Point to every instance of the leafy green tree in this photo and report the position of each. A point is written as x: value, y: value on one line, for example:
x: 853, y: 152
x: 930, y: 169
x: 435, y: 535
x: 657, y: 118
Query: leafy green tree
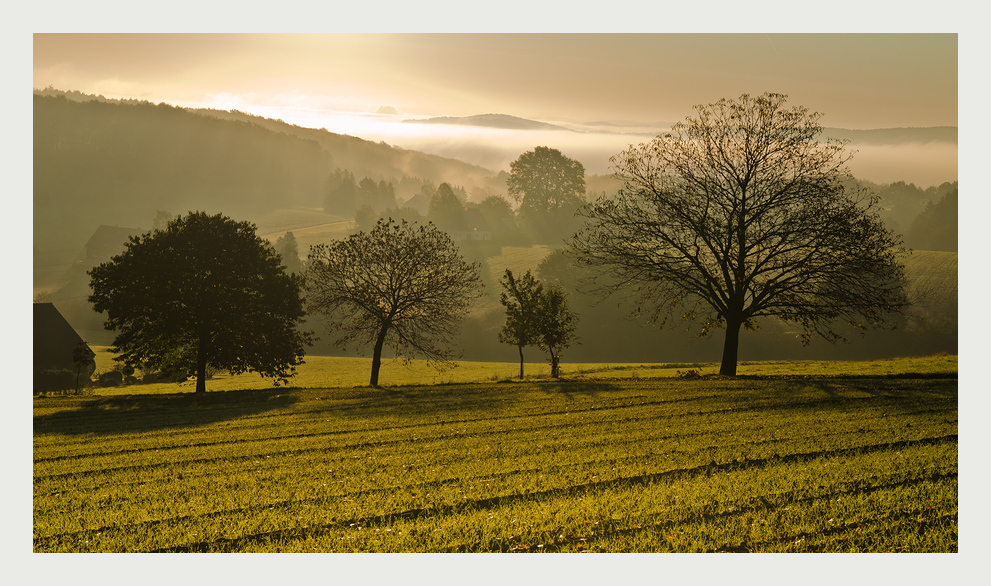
x: 288, y: 250
x: 742, y: 213
x: 82, y: 358
x: 549, y: 188
x: 380, y: 196
x: 340, y: 193
x: 364, y: 217
x: 556, y: 327
x: 206, y: 290
x: 521, y: 298
x: 936, y: 227
x: 162, y: 219
x: 446, y: 211
x: 399, y: 285
x: 499, y: 218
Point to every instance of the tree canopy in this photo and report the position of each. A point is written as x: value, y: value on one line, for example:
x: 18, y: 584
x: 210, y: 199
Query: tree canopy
x: 400, y: 285
x: 445, y: 210
x: 535, y: 317
x: 288, y: 249
x: 557, y: 326
x: 205, y: 290
x: 741, y: 213
x: 521, y: 298
x: 548, y: 186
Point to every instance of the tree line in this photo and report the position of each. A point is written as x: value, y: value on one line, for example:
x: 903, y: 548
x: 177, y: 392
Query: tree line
x: 737, y: 214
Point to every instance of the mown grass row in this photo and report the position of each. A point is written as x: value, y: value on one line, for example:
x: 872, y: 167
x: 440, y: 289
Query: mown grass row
x: 854, y: 464
x: 321, y: 372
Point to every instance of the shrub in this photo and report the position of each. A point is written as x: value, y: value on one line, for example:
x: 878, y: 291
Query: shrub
x: 111, y: 379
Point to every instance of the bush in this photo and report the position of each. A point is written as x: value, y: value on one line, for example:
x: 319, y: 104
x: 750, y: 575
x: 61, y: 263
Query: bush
x: 54, y: 380
x: 113, y: 378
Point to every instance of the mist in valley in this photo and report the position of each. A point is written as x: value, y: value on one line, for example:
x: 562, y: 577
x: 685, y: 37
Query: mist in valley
x: 913, y: 155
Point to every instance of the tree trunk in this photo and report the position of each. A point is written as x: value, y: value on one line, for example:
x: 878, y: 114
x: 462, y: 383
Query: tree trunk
x: 521, y: 361
x: 201, y: 365
x: 377, y: 356
x: 555, y: 362
x: 731, y: 347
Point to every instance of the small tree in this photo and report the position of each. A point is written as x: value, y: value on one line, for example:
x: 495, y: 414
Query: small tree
x: 521, y: 298
x: 557, y: 326
x: 446, y: 211
x: 399, y: 285
x: 743, y: 213
x: 205, y: 290
x: 83, y: 359
x: 288, y: 250
x: 340, y: 193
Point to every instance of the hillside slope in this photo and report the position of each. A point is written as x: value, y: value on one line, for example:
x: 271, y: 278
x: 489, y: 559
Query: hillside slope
x: 101, y: 161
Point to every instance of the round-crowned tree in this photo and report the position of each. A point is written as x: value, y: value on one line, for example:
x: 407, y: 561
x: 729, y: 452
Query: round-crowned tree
x: 401, y: 285
x: 205, y: 290
x: 549, y: 188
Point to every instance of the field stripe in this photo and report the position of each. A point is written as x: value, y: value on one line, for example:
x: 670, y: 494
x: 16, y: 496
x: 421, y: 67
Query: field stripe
x: 235, y: 544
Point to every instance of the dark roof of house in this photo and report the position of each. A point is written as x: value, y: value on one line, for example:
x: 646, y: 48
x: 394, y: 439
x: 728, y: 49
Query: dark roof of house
x: 54, y: 339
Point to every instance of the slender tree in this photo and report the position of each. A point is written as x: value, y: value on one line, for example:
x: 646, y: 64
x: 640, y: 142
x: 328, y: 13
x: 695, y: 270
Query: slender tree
x: 288, y: 250
x: 557, y: 326
x: 205, y: 290
x: 522, y: 299
x: 741, y: 213
x: 400, y: 285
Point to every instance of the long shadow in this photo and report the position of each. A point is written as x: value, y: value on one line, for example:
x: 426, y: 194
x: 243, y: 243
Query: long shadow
x: 792, y: 393
x: 480, y: 397
x: 143, y: 413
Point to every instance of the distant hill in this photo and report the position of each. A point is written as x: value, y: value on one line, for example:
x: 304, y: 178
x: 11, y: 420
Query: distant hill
x: 366, y: 158
x: 895, y: 135
x: 503, y: 121
x: 101, y: 161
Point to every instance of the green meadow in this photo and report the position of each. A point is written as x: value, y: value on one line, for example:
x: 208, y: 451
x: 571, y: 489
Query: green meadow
x: 788, y: 457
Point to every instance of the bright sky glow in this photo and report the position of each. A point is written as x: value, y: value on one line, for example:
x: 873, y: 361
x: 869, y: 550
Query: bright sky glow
x: 339, y: 82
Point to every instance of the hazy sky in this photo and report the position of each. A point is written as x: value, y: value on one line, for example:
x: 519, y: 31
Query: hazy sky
x: 856, y: 80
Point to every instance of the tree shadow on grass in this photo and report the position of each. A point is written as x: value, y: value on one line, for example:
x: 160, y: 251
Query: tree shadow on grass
x: 462, y: 399
x: 576, y: 388
x: 144, y: 413
x: 820, y: 393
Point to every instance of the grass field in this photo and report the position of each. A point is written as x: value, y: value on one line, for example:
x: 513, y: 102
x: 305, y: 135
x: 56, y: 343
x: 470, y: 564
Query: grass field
x: 831, y: 457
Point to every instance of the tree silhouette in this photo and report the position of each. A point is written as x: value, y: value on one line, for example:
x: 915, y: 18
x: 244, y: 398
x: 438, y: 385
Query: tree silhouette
x: 521, y: 298
x: 446, y: 211
x: 556, y: 327
x: 288, y: 249
x: 741, y: 213
x: 399, y: 285
x: 548, y: 187
x: 535, y: 317
x: 206, y: 290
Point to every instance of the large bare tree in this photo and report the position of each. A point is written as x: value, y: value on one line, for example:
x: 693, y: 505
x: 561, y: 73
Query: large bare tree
x: 401, y: 285
x: 741, y: 213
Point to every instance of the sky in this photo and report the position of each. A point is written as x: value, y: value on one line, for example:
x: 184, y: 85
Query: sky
x: 857, y: 80
x: 640, y: 82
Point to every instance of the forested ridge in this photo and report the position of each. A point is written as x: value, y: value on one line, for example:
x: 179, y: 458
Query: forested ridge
x: 100, y: 161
